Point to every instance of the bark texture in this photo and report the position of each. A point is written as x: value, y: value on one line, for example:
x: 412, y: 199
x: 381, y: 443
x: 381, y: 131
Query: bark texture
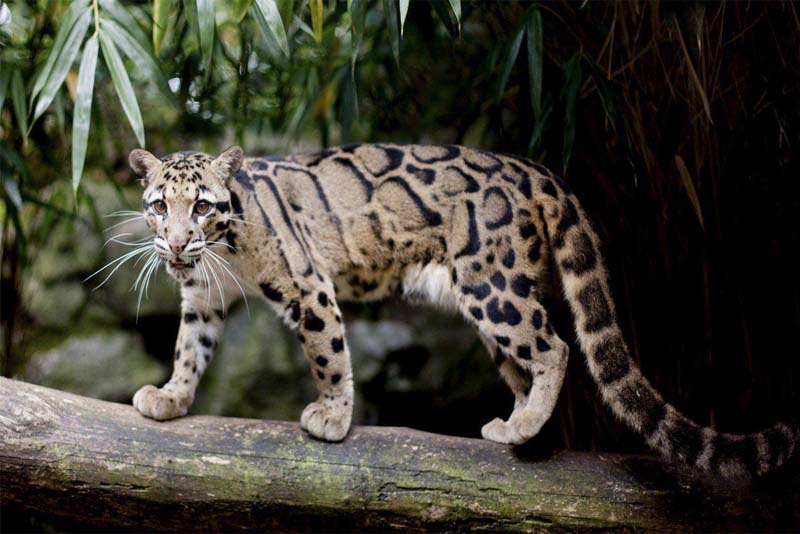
x: 94, y: 463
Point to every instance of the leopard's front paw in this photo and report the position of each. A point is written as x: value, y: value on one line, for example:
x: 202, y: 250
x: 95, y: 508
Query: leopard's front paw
x: 160, y: 404
x: 325, y: 421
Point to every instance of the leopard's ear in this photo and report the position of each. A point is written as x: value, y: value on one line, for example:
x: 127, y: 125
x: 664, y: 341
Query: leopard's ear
x: 228, y: 163
x: 143, y: 164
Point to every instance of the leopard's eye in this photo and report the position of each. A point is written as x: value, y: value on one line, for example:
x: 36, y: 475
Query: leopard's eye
x: 160, y: 206
x: 202, y: 207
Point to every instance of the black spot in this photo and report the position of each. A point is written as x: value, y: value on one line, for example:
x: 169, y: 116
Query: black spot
x: 322, y: 361
x: 451, y: 152
x: 509, y: 258
x: 506, y: 313
x: 542, y: 345
x: 490, y: 258
x: 426, y: 176
x: 521, y: 285
x: 583, y: 256
x: 295, y: 307
x: 189, y: 317
x: 206, y: 341
x: 498, y: 280
x: 525, y: 186
x: 503, y: 340
x: 595, y: 307
x: 643, y: 403
x: 778, y: 446
x: 535, y: 251
x: 737, y: 450
x: 524, y: 352
x: 472, y: 185
x: 549, y: 189
x: 335, y: 378
x: 611, y: 357
x: 236, y: 203
x: 313, y: 322
x: 499, y: 357
x: 223, y: 207
x: 476, y: 266
x: 537, y: 319
x: 432, y: 217
x: 321, y: 375
x: 506, y: 216
x: 686, y: 439
x: 271, y: 293
x: 474, y: 243
x: 569, y: 218
x: 337, y: 344
x: 178, y: 354
x: 480, y: 292
x: 322, y: 298
x: 476, y: 312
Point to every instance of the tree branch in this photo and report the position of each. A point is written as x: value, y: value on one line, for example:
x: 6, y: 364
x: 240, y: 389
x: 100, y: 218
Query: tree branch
x: 96, y: 463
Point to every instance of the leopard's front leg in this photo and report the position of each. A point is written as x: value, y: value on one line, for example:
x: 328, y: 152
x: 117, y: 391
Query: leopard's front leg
x: 197, y: 337
x: 321, y: 331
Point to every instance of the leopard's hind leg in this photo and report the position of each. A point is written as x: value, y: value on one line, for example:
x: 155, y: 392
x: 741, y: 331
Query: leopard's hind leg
x: 532, y: 360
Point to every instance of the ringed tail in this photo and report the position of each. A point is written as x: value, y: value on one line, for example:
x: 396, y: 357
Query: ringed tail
x: 576, y: 254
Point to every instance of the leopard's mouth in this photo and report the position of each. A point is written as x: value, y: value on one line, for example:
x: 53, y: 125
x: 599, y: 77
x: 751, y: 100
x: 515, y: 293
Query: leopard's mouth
x: 180, y: 265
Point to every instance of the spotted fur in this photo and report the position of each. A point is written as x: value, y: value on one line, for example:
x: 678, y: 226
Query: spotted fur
x: 471, y: 231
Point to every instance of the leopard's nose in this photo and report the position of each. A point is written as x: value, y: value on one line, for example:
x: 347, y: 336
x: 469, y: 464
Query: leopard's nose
x: 177, y: 246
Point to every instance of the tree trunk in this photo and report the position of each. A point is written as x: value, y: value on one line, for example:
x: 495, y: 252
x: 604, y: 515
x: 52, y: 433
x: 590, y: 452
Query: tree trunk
x: 87, y: 462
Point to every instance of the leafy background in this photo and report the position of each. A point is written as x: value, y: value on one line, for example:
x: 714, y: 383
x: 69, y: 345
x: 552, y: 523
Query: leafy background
x: 676, y: 123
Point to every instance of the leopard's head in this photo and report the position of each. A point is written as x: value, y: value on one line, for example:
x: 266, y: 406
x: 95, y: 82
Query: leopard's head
x: 186, y: 203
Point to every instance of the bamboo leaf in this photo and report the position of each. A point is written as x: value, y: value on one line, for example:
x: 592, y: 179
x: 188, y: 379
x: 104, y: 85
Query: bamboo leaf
x: 190, y: 12
x: 161, y: 11
x: 240, y: 8
x: 403, y: 13
x: 122, y: 84
x: 508, y: 64
x: 18, y: 101
x: 446, y: 16
x: 12, y: 190
x: 140, y: 56
x: 687, y: 182
x: 66, y: 57
x: 205, y: 23
x: 358, y: 16
x: 392, y: 23
x: 5, y: 79
x: 572, y: 83
x: 70, y: 17
x: 316, y: 18
x: 535, y: 41
x: 455, y: 5
x: 268, y: 18
x: 120, y: 14
x: 83, y: 108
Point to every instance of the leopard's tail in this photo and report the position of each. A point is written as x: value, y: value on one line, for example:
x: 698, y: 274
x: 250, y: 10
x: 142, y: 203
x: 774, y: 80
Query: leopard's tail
x: 575, y: 249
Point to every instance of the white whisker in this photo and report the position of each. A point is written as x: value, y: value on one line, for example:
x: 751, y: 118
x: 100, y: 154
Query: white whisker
x: 217, y: 256
x: 150, y: 259
x: 221, y: 243
x: 219, y: 286
x: 153, y: 265
x: 123, y: 213
x: 118, y: 262
x: 235, y: 281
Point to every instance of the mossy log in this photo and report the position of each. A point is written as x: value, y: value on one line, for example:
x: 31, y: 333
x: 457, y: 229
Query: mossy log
x: 93, y: 463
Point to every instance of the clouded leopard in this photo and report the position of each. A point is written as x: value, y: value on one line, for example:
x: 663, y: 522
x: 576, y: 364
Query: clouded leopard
x: 469, y: 230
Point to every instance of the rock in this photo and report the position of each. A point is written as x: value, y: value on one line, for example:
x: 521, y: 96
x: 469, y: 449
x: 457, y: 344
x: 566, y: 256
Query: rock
x: 105, y: 365
x: 258, y: 370
x: 54, y: 304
